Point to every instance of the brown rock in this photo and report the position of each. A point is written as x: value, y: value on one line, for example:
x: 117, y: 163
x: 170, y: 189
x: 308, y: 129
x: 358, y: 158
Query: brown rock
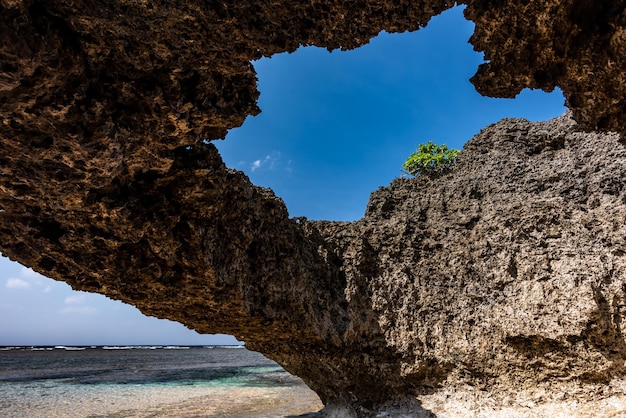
x: 505, y: 273
x: 579, y: 46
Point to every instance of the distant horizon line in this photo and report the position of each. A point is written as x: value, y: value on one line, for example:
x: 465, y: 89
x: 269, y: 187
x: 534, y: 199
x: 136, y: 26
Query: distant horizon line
x: 112, y: 346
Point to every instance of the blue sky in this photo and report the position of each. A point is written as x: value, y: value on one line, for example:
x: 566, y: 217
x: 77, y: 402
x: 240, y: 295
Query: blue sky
x: 334, y: 127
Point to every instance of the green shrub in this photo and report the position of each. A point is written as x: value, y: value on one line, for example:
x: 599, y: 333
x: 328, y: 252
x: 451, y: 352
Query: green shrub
x: 430, y: 158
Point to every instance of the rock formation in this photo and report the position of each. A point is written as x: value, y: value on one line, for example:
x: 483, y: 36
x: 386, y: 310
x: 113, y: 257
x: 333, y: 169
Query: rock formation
x: 172, y: 72
x: 506, y: 273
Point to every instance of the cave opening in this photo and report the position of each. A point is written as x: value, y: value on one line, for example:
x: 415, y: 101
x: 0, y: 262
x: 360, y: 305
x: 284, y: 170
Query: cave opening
x: 335, y: 126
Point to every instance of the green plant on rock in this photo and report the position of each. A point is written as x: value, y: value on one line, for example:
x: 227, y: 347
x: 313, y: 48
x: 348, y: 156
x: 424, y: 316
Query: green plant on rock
x: 430, y: 158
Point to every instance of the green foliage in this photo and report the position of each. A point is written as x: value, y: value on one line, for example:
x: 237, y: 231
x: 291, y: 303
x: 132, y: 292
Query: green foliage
x: 429, y: 159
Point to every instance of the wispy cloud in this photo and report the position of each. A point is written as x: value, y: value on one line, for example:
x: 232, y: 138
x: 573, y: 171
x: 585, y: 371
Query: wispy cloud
x: 78, y: 310
x: 30, y: 279
x: 15, y: 283
x: 76, y: 304
x: 256, y: 164
x: 78, y: 299
x: 29, y: 273
x: 270, y: 162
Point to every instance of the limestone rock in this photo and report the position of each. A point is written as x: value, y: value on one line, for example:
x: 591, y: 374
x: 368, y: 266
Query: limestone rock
x: 504, y: 274
x: 159, y: 70
x: 508, y: 273
x: 579, y: 46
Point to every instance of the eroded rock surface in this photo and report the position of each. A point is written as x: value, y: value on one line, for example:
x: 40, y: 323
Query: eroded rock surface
x: 505, y: 273
x: 577, y: 45
x: 160, y: 70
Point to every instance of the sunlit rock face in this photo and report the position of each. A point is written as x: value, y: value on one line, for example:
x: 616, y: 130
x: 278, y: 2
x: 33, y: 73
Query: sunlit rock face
x: 577, y: 45
x: 504, y: 274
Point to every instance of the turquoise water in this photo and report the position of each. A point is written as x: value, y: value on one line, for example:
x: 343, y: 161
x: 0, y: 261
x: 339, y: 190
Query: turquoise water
x: 76, y: 381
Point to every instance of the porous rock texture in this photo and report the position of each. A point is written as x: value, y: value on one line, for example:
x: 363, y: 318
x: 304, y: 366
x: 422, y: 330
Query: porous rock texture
x: 172, y: 68
x: 505, y: 274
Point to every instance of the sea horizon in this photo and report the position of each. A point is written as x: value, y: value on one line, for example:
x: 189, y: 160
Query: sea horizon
x: 9, y: 347
x: 50, y: 381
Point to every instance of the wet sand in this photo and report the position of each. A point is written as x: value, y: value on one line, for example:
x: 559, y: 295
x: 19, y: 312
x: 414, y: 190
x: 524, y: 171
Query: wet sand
x: 175, y: 401
x: 137, y: 382
x: 227, y: 403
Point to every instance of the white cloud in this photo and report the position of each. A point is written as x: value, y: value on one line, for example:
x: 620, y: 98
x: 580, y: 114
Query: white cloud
x: 14, y: 283
x: 255, y: 165
x: 35, y: 279
x: 29, y: 273
x: 270, y: 161
x: 78, y: 310
x: 78, y: 299
x: 77, y: 304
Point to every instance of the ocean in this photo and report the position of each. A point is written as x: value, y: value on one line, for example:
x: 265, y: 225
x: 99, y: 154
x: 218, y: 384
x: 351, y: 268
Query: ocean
x: 147, y: 381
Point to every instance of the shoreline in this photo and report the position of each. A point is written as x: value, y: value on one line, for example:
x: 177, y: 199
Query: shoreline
x: 171, y: 402
x: 147, y: 381
x: 250, y: 402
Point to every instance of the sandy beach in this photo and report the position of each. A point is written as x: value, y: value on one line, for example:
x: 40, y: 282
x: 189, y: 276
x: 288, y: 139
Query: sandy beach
x: 133, y: 382
x: 173, y: 402
x: 223, y: 403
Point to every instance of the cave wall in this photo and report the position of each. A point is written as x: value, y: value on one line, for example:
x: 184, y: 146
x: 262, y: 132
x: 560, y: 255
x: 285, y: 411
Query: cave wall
x: 578, y: 46
x: 108, y: 181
